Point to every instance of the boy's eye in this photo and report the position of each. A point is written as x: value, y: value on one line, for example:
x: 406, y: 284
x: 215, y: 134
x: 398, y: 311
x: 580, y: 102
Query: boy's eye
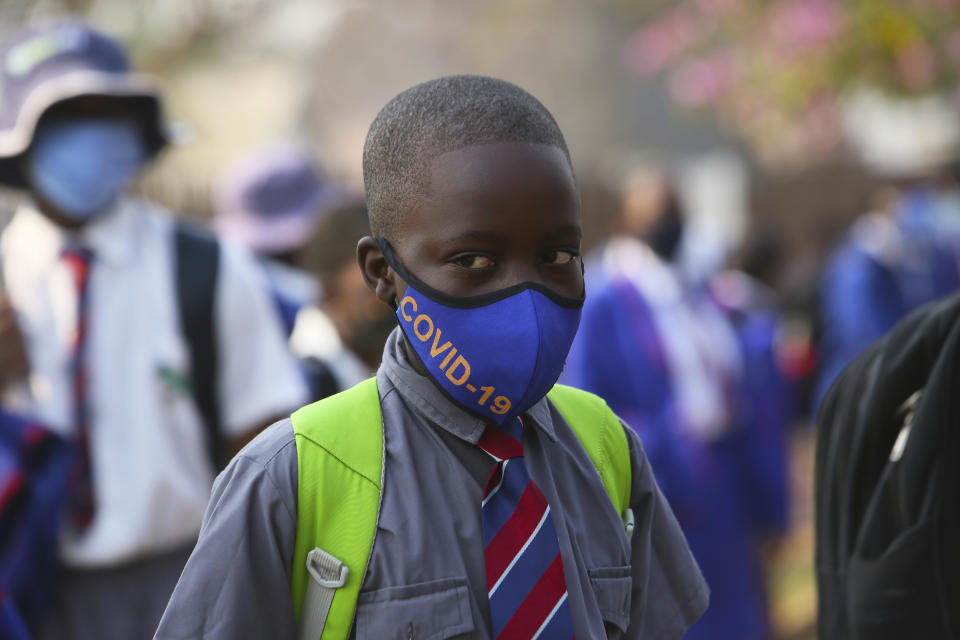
x: 473, y: 261
x: 560, y: 256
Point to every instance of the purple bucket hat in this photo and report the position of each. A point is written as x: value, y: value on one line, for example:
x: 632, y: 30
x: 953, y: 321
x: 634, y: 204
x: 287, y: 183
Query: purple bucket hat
x: 45, y: 65
x: 270, y: 201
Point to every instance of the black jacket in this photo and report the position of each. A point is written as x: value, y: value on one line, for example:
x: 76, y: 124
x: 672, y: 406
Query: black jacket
x: 888, y: 517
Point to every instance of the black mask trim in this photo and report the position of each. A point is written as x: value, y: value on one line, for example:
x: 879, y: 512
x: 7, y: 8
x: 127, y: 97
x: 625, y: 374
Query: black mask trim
x: 472, y: 302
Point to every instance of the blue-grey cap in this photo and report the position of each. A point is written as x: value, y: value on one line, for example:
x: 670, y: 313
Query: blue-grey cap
x: 45, y: 65
x: 270, y: 201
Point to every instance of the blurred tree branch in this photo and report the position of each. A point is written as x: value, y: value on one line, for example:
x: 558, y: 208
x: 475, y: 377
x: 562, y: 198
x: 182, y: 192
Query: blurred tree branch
x: 778, y: 71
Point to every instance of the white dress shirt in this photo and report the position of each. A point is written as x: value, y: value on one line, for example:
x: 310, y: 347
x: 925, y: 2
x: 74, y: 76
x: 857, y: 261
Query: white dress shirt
x: 151, y: 468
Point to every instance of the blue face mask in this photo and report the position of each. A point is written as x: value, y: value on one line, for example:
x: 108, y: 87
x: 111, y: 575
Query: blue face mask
x: 495, y: 354
x: 81, y: 166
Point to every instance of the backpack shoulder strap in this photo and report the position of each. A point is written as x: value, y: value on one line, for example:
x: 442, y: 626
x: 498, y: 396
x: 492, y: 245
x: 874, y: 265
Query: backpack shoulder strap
x: 340, y: 478
x: 601, y: 434
x: 340, y: 473
x: 197, y: 260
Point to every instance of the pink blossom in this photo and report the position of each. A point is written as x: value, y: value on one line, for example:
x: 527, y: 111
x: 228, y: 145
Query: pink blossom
x: 660, y: 41
x: 701, y: 81
x: 801, y: 25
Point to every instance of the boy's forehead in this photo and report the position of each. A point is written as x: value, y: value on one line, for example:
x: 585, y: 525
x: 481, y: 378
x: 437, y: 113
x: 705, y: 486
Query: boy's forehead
x: 502, y: 170
x: 476, y: 185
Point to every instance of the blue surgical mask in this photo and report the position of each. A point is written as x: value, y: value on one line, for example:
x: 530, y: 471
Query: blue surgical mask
x: 80, y: 166
x: 494, y: 355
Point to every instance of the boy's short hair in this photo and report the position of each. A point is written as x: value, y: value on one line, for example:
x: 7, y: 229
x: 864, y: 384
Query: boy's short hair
x: 436, y: 117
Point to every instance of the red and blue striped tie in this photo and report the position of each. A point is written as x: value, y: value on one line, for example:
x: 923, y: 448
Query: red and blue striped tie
x: 80, y: 504
x: 525, y: 583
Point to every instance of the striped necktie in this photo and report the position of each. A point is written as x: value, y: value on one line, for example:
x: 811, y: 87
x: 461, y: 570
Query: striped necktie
x: 525, y: 583
x: 80, y: 504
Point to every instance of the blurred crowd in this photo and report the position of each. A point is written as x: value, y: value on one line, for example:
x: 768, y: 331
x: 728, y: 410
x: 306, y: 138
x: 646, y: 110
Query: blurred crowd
x: 140, y: 350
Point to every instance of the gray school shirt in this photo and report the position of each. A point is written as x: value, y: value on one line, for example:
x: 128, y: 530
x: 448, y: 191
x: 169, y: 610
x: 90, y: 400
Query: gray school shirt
x: 426, y: 576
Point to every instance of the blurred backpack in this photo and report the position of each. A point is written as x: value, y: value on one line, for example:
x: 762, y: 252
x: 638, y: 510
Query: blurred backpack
x: 888, y: 486
x: 34, y: 464
x: 197, y: 266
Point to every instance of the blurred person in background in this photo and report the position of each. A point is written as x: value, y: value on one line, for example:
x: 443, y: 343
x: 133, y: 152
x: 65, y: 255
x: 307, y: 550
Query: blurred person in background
x: 775, y: 353
x: 946, y: 210
x: 341, y: 341
x: 898, y: 256
x: 668, y: 361
x: 154, y: 350
x: 269, y: 203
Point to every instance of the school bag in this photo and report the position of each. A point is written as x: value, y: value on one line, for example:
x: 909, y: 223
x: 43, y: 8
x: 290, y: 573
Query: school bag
x: 197, y: 266
x: 340, y: 477
x: 34, y: 465
x: 888, y: 486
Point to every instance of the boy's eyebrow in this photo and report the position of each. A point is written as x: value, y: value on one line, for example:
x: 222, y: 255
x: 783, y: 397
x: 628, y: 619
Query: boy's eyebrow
x: 476, y: 235
x: 493, y: 237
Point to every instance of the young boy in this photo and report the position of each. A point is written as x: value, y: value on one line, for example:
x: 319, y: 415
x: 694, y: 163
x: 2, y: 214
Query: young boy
x: 492, y: 520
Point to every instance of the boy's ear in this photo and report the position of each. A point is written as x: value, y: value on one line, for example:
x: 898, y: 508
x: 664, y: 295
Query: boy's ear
x: 378, y: 275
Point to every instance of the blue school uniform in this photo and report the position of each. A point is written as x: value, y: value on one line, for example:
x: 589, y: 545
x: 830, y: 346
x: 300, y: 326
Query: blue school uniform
x: 885, y: 268
x: 711, y: 475
x: 34, y: 468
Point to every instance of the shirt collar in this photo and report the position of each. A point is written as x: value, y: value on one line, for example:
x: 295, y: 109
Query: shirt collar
x: 111, y: 236
x: 426, y: 398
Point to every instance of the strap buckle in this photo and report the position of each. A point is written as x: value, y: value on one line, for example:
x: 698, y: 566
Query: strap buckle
x: 628, y: 522
x: 326, y: 569
x: 328, y: 574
